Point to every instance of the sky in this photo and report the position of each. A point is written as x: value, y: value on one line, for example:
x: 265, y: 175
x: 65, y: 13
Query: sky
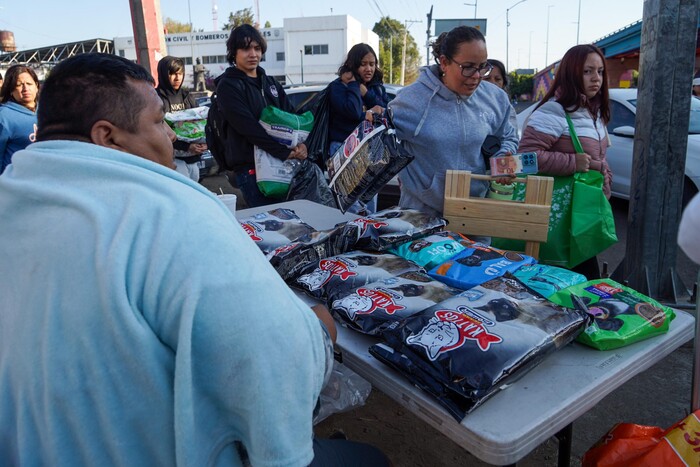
x: 540, y: 31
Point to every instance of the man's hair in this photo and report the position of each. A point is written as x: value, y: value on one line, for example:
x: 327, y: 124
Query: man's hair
x: 240, y: 38
x: 177, y: 64
x: 86, y: 88
x: 10, y: 82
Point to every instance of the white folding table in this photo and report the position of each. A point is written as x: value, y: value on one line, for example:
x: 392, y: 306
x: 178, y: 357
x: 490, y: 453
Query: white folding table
x: 543, y: 403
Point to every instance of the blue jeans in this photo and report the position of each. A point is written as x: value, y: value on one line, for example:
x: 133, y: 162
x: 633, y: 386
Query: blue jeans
x: 248, y: 185
x: 358, y: 206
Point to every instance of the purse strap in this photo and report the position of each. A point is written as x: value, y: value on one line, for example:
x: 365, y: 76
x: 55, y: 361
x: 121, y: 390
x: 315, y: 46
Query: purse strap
x: 574, y: 137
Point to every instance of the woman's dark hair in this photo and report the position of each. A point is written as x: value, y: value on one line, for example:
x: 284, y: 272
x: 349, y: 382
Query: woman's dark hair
x: 240, y: 38
x: 10, y: 82
x: 354, y: 60
x: 567, y: 87
x: 502, y: 68
x: 447, y: 43
x: 86, y: 88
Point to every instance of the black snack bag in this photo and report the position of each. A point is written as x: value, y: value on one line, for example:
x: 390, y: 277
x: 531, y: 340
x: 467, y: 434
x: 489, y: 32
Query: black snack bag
x: 273, y: 229
x: 370, y: 308
x: 474, y: 343
x: 290, y: 259
x: 341, y: 274
x: 394, y: 226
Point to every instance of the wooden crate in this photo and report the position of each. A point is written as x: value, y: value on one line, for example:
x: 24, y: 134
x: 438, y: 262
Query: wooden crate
x: 528, y: 220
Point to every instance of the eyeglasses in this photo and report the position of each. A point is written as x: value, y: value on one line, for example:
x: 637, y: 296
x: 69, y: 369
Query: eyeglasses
x: 468, y: 71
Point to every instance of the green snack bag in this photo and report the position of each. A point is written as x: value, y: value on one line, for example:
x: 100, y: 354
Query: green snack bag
x: 431, y: 250
x: 621, y: 315
x: 548, y: 280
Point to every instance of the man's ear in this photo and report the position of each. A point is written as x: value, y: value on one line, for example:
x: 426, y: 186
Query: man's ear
x: 104, y: 133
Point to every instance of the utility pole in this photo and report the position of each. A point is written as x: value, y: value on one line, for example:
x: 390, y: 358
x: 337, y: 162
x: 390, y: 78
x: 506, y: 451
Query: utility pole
x: 427, y: 40
x: 391, y: 59
x: 148, y: 33
x: 667, y: 58
x: 578, y: 22
x: 474, y: 5
x: 403, y: 53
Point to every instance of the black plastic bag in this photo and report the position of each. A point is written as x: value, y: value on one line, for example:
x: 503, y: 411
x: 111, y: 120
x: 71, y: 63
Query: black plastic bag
x: 309, y: 183
x: 317, y: 143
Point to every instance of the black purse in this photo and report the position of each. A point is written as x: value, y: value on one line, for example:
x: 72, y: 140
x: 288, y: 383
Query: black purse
x: 317, y: 143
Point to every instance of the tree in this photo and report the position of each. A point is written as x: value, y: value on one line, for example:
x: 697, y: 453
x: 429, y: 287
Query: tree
x: 520, y: 85
x: 391, y: 35
x: 268, y: 24
x: 173, y: 26
x: 244, y: 16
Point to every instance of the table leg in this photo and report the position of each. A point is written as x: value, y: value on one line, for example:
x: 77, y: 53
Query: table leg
x: 565, y: 437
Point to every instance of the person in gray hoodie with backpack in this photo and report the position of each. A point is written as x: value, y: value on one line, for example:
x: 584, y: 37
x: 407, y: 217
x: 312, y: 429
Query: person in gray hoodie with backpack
x: 444, y: 117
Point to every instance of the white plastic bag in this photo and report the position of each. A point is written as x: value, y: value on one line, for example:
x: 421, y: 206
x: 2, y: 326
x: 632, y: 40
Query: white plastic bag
x: 345, y: 390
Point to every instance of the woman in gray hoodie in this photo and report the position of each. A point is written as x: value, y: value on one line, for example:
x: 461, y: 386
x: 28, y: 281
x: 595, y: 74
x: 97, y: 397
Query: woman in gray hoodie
x: 443, y: 118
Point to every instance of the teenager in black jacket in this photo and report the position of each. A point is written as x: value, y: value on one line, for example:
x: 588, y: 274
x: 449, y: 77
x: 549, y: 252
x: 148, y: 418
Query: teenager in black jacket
x: 244, y: 90
x: 171, y: 71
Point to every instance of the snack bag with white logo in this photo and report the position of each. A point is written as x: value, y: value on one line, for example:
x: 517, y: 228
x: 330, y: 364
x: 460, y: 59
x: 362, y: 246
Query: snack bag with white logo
x: 548, y: 280
x: 394, y: 226
x: 478, y: 263
x: 370, y: 308
x: 341, y: 274
x: 432, y: 250
x: 621, y: 315
x: 273, y: 229
x: 464, y: 349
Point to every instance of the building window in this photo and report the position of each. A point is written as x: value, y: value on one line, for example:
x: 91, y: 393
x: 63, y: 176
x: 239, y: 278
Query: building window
x: 317, y: 49
x: 280, y: 56
x: 188, y: 60
x: 262, y: 59
x: 121, y: 52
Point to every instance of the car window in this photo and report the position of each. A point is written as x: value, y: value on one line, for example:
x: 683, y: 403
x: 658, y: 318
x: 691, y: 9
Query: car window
x: 694, y: 128
x: 619, y: 116
x: 299, y: 99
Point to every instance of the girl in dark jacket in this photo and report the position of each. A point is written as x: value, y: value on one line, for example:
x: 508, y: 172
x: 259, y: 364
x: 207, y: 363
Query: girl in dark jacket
x: 357, y: 94
x: 243, y: 91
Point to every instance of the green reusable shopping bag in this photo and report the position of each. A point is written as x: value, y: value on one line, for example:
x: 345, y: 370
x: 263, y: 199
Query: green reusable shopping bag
x: 581, y: 222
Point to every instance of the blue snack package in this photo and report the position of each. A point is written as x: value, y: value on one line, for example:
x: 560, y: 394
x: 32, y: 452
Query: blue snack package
x: 432, y: 250
x: 477, y: 264
x: 548, y: 280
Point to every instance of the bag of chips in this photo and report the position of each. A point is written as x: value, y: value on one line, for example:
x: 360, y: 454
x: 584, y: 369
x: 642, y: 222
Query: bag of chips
x: 466, y: 348
x: 370, y: 308
x: 547, y: 280
x: 394, y: 226
x: 432, y: 250
x: 621, y: 315
x: 273, y: 229
x: 340, y: 274
x: 289, y: 259
x: 478, y: 263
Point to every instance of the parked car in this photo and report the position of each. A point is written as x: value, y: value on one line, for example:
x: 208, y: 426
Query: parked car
x: 623, y: 110
x: 301, y: 95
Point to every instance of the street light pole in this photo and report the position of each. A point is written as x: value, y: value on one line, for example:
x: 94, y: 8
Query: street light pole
x: 474, y: 5
x: 546, y: 47
x: 189, y: 12
x: 578, y: 22
x: 507, y: 27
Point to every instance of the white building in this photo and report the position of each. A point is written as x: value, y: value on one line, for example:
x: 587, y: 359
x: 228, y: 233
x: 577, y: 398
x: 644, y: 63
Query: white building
x: 309, y: 47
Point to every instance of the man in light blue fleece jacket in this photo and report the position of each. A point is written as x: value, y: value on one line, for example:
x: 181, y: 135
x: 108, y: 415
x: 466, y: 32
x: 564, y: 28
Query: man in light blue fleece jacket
x: 119, y: 344
x: 443, y: 118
